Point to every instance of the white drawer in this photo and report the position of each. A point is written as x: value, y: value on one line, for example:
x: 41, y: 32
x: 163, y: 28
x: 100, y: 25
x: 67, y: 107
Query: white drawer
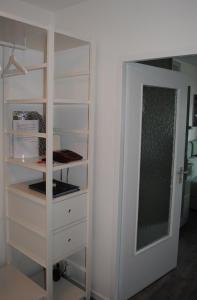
x: 28, y: 242
x: 66, y: 242
x: 27, y: 212
x: 69, y: 210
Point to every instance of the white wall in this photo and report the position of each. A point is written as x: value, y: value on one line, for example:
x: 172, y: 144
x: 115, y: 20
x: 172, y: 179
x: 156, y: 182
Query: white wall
x: 122, y: 28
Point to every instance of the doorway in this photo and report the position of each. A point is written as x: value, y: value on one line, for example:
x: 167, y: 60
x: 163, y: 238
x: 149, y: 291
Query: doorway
x: 151, y: 217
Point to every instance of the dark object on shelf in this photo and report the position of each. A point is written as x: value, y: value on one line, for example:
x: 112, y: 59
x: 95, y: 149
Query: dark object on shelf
x: 59, y: 188
x: 66, y: 156
x: 56, y: 273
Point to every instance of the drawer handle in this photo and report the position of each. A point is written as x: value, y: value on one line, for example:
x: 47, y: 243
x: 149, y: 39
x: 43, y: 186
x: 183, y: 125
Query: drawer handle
x: 69, y: 240
x: 68, y: 211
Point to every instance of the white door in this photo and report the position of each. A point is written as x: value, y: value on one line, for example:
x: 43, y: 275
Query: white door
x: 192, y: 136
x: 154, y: 141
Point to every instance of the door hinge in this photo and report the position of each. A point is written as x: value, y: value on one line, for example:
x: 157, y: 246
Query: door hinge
x: 181, y: 173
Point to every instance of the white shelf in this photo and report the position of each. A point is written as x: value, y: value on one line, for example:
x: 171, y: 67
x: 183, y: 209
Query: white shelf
x: 23, y: 190
x: 26, y: 101
x: 64, y: 289
x: 71, y: 101
x: 28, y: 254
x: 31, y: 163
x: 12, y: 73
x: 15, y: 285
x: 70, y: 195
x: 36, y: 67
x: 59, y: 166
x: 73, y: 131
x: 72, y: 75
x: 26, y: 133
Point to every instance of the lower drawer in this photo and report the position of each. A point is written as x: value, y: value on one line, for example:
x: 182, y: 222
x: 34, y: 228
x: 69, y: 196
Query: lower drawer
x: 69, y: 241
x: 28, y: 242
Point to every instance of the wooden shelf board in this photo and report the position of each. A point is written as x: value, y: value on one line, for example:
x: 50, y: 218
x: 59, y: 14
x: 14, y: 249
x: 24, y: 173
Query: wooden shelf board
x: 12, y: 73
x: 59, y: 166
x: 72, y: 75
x: 72, y: 131
x: 22, y: 189
x: 15, y: 285
x: 71, y: 101
x: 64, y: 289
x: 71, y: 252
x: 27, y: 253
x: 27, y: 133
x: 68, y: 196
x: 31, y: 163
x: 36, y: 67
x: 26, y: 101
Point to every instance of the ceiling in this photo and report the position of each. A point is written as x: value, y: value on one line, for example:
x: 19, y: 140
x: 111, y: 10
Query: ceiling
x: 53, y: 5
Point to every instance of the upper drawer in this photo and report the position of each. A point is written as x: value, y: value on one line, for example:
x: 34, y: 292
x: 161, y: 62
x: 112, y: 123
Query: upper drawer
x: 32, y: 214
x: 69, y: 210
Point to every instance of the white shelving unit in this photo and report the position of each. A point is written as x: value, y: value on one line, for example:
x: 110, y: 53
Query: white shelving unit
x: 45, y: 229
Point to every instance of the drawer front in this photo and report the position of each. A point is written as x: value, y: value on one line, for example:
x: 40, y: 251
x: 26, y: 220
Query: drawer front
x: 67, y: 242
x: 27, y: 212
x: 69, y: 210
x: 28, y: 242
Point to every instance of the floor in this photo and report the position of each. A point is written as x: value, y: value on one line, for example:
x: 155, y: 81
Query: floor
x: 180, y: 284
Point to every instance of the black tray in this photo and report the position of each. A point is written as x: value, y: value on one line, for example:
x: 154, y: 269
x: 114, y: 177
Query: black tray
x: 59, y: 188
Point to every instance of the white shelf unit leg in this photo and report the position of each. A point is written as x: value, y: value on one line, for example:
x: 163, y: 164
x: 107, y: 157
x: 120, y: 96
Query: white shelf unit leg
x: 49, y: 160
x: 91, y: 96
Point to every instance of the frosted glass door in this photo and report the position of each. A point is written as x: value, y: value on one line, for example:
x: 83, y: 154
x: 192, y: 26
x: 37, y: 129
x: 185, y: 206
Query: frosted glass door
x: 156, y: 166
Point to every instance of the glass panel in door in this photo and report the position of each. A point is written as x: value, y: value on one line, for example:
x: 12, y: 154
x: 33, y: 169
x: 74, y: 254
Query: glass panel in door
x: 156, y: 166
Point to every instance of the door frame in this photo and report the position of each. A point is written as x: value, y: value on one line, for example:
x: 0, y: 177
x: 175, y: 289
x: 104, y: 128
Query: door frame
x: 119, y: 155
